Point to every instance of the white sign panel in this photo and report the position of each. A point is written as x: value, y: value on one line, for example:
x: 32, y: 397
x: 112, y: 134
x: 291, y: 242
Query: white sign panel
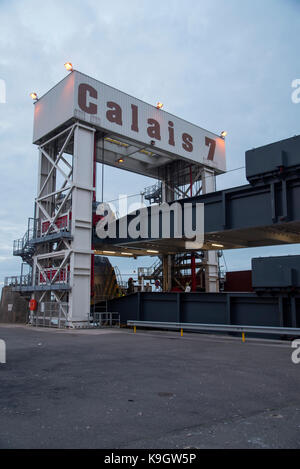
x: 81, y: 97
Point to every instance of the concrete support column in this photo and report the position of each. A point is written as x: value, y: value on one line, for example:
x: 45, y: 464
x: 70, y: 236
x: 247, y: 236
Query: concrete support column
x: 81, y: 227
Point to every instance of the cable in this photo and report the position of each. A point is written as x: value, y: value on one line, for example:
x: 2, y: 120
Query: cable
x: 123, y: 197
x: 230, y: 170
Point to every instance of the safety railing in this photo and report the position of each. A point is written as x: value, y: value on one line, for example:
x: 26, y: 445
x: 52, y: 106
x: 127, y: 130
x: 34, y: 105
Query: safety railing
x: 50, y: 276
x: 50, y: 314
x: 181, y: 326
x: 155, y: 268
x: 38, y: 228
x: 12, y: 281
x: 105, y: 319
x: 153, y: 192
x: 18, y: 281
x: 61, y: 223
x: 23, y: 246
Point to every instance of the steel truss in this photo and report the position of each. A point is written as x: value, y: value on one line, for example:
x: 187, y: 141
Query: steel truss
x: 62, y: 264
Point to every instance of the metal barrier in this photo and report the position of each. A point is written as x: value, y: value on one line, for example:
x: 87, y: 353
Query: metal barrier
x: 106, y: 319
x: 50, y: 314
x: 18, y: 281
x: 23, y: 245
x: 289, y: 331
x: 12, y: 281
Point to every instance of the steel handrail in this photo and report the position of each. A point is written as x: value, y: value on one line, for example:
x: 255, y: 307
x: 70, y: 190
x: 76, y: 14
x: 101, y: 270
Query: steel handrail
x: 293, y: 331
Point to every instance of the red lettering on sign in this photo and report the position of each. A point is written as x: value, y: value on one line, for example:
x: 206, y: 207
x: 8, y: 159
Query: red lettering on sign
x: 154, y: 129
x: 187, y: 142
x: 134, y: 124
x: 209, y: 142
x: 171, y: 133
x: 115, y: 115
x: 83, y: 90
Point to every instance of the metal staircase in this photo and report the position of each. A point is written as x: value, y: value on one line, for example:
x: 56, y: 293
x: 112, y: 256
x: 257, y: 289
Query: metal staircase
x: 153, y: 193
x: 151, y: 273
x: 24, y: 247
x: 181, y: 271
x: 182, y: 274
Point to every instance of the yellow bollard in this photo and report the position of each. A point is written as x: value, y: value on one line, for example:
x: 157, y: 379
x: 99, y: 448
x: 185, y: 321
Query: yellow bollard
x: 243, y: 336
x: 181, y: 332
x: 134, y: 329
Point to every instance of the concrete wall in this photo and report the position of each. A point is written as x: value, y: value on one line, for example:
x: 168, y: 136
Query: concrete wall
x: 14, y: 307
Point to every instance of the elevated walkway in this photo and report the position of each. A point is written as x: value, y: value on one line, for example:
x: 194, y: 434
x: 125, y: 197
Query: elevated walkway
x: 265, y: 212
x: 242, y: 217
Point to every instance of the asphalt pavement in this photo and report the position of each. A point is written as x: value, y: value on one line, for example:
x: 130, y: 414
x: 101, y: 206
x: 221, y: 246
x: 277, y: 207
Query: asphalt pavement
x: 115, y: 389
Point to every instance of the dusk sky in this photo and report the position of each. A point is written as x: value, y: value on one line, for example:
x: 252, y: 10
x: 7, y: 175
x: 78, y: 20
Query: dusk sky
x: 219, y: 64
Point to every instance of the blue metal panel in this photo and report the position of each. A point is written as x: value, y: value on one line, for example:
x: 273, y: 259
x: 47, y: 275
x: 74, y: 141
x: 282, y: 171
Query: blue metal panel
x: 241, y: 208
x: 210, y: 308
x: 274, y: 159
x: 207, y: 307
x: 280, y: 272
